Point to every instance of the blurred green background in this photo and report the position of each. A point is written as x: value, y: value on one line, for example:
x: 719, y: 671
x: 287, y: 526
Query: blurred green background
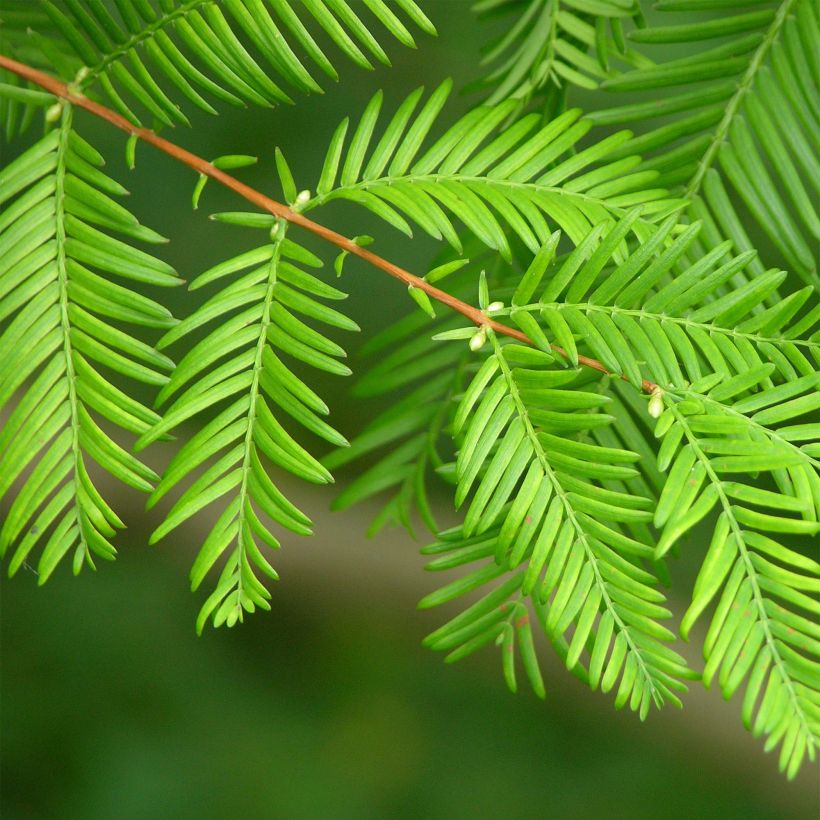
x: 327, y: 707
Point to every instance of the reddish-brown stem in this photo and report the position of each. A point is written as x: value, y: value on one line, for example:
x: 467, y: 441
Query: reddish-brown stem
x: 201, y: 166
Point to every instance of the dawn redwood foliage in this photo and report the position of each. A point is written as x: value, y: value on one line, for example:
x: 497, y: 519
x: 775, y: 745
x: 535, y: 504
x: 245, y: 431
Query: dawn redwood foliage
x: 612, y: 362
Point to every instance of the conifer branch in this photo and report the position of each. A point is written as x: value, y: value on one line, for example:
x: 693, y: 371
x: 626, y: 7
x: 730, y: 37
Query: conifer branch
x: 66, y: 92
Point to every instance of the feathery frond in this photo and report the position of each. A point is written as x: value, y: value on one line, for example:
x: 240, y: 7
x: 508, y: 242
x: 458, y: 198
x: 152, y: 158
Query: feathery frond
x: 714, y: 447
x: 519, y: 181
x: 409, y: 431
x: 238, y: 370
x: 745, y: 121
x: 547, y: 46
x: 19, y: 101
x: 670, y: 383
x: 643, y: 319
x: 205, y: 48
x: 61, y: 356
x: 541, y: 516
x: 738, y: 379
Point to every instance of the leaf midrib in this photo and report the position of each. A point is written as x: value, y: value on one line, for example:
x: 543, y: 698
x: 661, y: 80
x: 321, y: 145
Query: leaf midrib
x: 570, y: 513
x: 735, y: 101
x: 65, y: 324
x: 148, y: 33
x: 664, y: 317
x: 751, y: 574
x: 253, y: 392
x: 497, y: 182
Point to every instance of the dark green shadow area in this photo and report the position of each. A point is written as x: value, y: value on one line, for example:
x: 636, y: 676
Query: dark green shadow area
x: 325, y: 708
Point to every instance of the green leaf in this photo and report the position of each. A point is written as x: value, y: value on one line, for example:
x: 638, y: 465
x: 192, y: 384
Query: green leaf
x: 238, y: 52
x: 59, y: 346
x: 743, y: 135
x: 272, y: 297
x: 483, y: 176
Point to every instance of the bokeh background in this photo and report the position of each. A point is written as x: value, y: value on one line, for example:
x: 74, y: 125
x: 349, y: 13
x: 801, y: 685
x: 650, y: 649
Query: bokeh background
x: 327, y: 707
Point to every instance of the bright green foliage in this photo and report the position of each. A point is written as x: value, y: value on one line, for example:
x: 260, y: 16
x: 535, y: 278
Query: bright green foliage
x: 494, y: 180
x: 548, y: 43
x: 669, y: 387
x: 536, y: 479
x: 644, y: 322
x: 743, y: 103
x: 738, y: 378
x: 241, y: 362
x: 544, y: 512
x: 411, y: 430
x: 539, y: 443
x: 203, y: 49
x: 759, y: 629
x: 60, y: 289
x: 19, y: 20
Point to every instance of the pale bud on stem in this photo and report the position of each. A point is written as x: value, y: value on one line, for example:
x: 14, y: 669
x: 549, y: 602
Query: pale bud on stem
x: 478, y: 339
x: 302, y: 198
x: 54, y: 112
x: 656, y: 404
x: 76, y: 85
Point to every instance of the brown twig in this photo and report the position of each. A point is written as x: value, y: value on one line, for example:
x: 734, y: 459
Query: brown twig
x: 201, y: 166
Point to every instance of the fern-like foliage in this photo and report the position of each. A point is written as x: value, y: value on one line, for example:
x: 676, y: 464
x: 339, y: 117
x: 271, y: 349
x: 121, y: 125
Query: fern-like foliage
x: 410, y: 439
x: 553, y: 43
x: 407, y: 436
x: 26, y: 34
x: 744, y: 122
x: 545, y: 439
x: 238, y: 369
x: 670, y: 383
x: 62, y: 357
x: 158, y: 52
x: 523, y: 179
x: 541, y: 515
x: 740, y: 383
x: 712, y: 445
x: 642, y: 319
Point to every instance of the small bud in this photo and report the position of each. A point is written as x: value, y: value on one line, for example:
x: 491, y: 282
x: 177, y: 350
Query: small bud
x: 274, y: 231
x: 54, y: 112
x: 75, y: 87
x: 478, y: 338
x: 494, y: 307
x: 302, y: 198
x: 656, y: 403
